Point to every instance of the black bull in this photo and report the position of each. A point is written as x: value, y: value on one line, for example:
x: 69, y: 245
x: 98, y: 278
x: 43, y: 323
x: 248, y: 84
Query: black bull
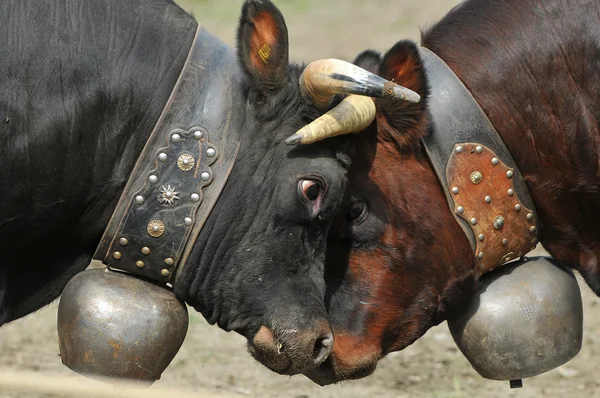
x: 83, y: 82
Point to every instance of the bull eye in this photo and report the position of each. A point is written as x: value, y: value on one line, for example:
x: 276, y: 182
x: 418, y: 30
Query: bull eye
x: 311, y: 189
x: 357, y: 212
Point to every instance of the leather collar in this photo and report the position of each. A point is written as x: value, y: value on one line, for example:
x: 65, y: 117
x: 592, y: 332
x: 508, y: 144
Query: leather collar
x: 486, y: 192
x: 183, y: 167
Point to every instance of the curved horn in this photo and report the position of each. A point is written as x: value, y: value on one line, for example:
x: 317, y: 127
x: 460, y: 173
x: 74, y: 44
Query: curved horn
x: 324, y: 78
x: 355, y: 113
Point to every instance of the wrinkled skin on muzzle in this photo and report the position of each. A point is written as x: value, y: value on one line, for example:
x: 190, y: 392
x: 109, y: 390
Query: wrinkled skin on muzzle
x: 257, y: 266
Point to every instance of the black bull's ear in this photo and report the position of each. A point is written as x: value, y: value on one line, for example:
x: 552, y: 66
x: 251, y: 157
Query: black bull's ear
x: 262, y: 41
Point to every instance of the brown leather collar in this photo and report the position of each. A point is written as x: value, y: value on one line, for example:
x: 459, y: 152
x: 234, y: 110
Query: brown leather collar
x: 484, y: 188
x: 182, y: 169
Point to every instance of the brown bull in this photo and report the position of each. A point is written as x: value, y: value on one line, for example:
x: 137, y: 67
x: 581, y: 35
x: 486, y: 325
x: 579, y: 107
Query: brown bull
x: 533, y: 66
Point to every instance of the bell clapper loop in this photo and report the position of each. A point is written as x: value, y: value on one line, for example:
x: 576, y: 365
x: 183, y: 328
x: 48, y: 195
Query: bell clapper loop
x: 516, y: 383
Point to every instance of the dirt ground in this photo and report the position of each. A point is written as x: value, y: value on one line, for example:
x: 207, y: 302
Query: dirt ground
x: 213, y: 359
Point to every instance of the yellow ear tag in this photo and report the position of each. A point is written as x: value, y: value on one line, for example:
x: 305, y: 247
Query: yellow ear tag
x: 265, y: 52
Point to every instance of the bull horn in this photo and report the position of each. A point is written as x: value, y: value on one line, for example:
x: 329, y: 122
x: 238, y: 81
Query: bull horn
x: 355, y: 113
x: 324, y: 78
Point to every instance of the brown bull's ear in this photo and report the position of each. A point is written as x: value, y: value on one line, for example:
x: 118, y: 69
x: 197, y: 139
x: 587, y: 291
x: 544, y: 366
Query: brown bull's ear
x: 262, y: 41
x: 402, y: 121
x: 368, y: 60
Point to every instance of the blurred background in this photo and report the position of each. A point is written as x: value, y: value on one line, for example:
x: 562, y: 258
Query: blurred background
x: 218, y: 361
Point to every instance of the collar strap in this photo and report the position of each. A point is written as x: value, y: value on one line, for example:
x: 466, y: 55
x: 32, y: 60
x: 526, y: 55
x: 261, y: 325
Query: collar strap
x: 485, y: 190
x: 182, y: 169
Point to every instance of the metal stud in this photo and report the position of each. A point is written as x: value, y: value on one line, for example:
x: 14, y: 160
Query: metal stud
x: 164, y: 272
x: 155, y: 228
x: 186, y: 162
x: 532, y: 229
x: 478, y: 149
x: 488, y: 199
x: 205, y: 176
x: 169, y: 261
x: 460, y: 210
x: 517, y: 207
x: 459, y: 149
x: 162, y: 157
x: 117, y: 255
x: 504, y: 242
x: 473, y: 221
x: 529, y: 216
x: 498, y: 222
x: 211, y: 152
x: 153, y: 179
x: 455, y: 190
x: 480, y: 255
x: 140, y: 264
x: 139, y: 199
x: 534, y: 241
x: 145, y: 250
x: 509, y: 174
x: 187, y: 221
x: 481, y: 237
x: 511, y: 192
x: 482, y: 267
x: 176, y: 137
x: 195, y: 197
x: 476, y: 177
x: 123, y: 241
x: 198, y: 134
x: 520, y: 254
x: 495, y: 161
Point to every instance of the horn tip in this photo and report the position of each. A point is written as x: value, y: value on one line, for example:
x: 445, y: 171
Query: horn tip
x: 406, y: 94
x: 294, y: 139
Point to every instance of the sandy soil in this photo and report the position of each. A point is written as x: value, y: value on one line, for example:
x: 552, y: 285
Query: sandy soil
x: 211, y: 358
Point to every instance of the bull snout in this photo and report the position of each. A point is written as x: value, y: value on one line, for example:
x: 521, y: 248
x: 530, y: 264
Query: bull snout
x: 291, y: 351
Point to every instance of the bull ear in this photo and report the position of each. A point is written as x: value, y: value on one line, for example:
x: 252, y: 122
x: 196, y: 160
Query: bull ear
x: 262, y: 41
x: 406, y: 122
x: 368, y: 60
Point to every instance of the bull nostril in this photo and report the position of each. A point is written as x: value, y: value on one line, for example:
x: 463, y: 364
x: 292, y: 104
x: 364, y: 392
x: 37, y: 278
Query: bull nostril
x: 322, y: 349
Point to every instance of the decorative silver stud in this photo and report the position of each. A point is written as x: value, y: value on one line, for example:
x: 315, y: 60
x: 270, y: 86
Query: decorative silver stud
x: 480, y: 255
x: 473, y: 221
x: 517, y: 207
x: 123, y: 241
x: 117, y: 255
x: 198, y: 134
x: 145, y: 250
x: 176, y: 137
x: 153, y: 179
x: 478, y: 149
x: 520, y: 254
x: 455, y: 190
x: 139, y: 199
x: 164, y: 272
x: 155, y: 228
x: 511, y: 192
x: 195, y: 197
x: 459, y: 149
x: 162, y: 157
x: 504, y: 242
x: 169, y: 261
x: 140, y: 264
x: 460, y: 210
x: 186, y: 162
x: 495, y: 161
x: 211, y: 152
x: 168, y: 195
x: 205, y: 176
x: 488, y: 199
x: 532, y: 228
x: 476, y: 177
x: 481, y: 237
x: 509, y: 174
x: 498, y: 222
x: 187, y: 221
x: 529, y: 216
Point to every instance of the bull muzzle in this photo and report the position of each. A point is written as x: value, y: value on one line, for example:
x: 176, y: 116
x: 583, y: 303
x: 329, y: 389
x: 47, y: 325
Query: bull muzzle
x: 525, y: 319
x: 112, y: 324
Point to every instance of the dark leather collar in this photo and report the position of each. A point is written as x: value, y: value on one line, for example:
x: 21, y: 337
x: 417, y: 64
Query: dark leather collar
x: 485, y: 190
x: 183, y: 167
